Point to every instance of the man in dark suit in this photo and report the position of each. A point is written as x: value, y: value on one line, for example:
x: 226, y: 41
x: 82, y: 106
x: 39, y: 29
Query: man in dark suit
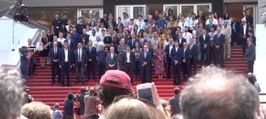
x: 193, y: 55
x: 65, y: 64
x: 235, y: 25
x: 210, y: 25
x: 243, y: 35
x: 80, y: 62
x: 180, y: 39
x: 71, y: 44
x: 129, y: 62
x: 219, y: 40
x: 168, y: 50
x: 55, y: 55
x: 177, y: 56
x: 101, y: 57
x: 91, y: 60
x: 132, y: 40
x: 186, y: 61
x: 174, y: 102
x: 146, y: 59
x: 112, y: 59
x: 84, y: 35
x: 250, y: 54
x: 204, y: 40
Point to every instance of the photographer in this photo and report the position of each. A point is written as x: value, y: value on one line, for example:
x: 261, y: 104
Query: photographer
x: 68, y: 106
x: 25, y: 57
x: 33, y: 62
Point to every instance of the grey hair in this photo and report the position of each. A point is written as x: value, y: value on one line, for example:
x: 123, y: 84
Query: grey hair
x: 236, y: 99
x: 11, y: 93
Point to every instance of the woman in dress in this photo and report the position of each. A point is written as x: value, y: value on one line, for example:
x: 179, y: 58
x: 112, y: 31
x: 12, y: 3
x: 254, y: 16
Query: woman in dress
x: 43, y: 40
x: 159, y: 60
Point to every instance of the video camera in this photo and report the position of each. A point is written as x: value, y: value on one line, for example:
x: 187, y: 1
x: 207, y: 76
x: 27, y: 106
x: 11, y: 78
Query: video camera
x: 26, y: 49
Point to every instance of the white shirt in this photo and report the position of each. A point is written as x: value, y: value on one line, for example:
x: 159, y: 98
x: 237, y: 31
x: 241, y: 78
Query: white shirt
x: 128, y: 57
x: 80, y: 54
x: 93, y: 38
x: 204, y: 36
x: 244, y: 28
x: 97, y: 45
x: 170, y: 49
x: 187, y: 36
x: 214, y: 21
x: 182, y: 25
x: 112, y: 55
x: 61, y: 40
x: 141, y: 24
x: 66, y: 55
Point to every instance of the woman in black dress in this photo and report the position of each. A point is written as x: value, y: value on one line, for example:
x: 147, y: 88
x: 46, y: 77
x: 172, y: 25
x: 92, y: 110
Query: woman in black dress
x: 44, y: 53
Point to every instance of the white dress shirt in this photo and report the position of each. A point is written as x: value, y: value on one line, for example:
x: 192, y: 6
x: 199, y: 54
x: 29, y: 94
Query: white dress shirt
x: 128, y: 57
x: 66, y: 55
x: 187, y: 36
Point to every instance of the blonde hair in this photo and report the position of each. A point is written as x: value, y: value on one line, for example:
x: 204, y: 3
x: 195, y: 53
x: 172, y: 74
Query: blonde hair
x: 36, y: 110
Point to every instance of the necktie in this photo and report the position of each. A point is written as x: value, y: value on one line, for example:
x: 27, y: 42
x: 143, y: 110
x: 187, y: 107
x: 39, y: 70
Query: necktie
x: 55, y: 51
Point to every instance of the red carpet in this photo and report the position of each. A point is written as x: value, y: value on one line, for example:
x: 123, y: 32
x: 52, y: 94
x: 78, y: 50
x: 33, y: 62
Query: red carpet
x: 42, y: 90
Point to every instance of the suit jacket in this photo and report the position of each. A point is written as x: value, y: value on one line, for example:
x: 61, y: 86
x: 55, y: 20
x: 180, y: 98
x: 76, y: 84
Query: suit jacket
x: 129, y: 42
x: 177, y: 55
x: 91, y: 54
x: 186, y: 55
x: 54, y: 56
x: 167, y: 50
x: 182, y: 41
x: 204, y: 41
x: 235, y: 27
x: 250, y: 52
x: 219, y: 40
x: 132, y: 57
x: 62, y: 58
x: 174, y: 102
x: 194, y: 52
x: 241, y: 32
x: 110, y: 60
x: 148, y: 59
x: 83, y: 57
x: 72, y: 44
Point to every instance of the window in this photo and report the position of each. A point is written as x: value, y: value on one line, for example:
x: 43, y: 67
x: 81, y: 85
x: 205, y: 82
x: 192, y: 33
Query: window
x: 132, y: 10
x: 186, y: 9
x: 87, y: 13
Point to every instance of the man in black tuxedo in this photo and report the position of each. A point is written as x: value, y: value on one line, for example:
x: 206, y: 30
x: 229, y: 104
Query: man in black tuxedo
x: 177, y: 56
x: 204, y: 40
x: 129, y: 62
x: 132, y: 40
x: 71, y: 44
x: 180, y: 39
x: 235, y: 25
x: 65, y: 64
x: 80, y: 62
x: 55, y: 55
x: 193, y: 55
x: 186, y: 61
x: 145, y: 58
x: 219, y: 40
x: 250, y: 54
x: 112, y: 59
x: 243, y: 35
x: 168, y: 50
x: 91, y: 60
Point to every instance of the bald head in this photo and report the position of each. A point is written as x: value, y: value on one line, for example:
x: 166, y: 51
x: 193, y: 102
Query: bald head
x: 218, y: 94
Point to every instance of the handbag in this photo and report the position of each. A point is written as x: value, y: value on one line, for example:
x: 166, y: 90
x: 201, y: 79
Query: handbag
x: 39, y: 46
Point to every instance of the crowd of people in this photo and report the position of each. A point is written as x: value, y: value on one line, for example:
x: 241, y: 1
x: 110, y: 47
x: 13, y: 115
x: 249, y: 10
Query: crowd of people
x: 163, y: 44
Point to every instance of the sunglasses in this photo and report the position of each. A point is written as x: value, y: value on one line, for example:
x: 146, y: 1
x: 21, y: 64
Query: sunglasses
x: 120, y: 97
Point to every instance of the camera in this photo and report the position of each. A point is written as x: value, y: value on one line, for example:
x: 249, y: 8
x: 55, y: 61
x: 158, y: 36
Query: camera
x: 26, y: 49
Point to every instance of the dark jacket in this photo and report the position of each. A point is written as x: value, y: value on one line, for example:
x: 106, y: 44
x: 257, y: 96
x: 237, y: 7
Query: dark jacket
x: 83, y: 59
x: 177, y: 55
x: 91, y: 54
x: 62, y: 58
x: 205, y: 41
x: 194, y: 52
x: 250, y: 52
x: 112, y: 61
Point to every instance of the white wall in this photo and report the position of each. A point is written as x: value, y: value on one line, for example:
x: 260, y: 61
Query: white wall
x: 62, y: 3
x: 260, y: 63
x: 21, y: 35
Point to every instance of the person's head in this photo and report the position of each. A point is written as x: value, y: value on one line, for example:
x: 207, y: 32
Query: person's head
x: 112, y: 49
x: 113, y: 83
x: 66, y: 45
x: 129, y: 108
x: 128, y: 48
x: 102, y: 46
x: 176, y: 44
x: 212, y: 29
x: 160, y: 15
x: 160, y: 45
x: 204, y: 31
x: 43, y: 33
x: 98, y: 38
x: 29, y: 41
x: 192, y: 40
x: 226, y: 22
x: 11, y: 93
x: 83, y: 89
x: 61, y: 34
x: 56, y: 106
x: 122, y: 42
x: 137, y: 44
x: 57, y: 16
x: 55, y: 38
x: 83, y: 40
x: 55, y: 44
x: 80, y: 19
x: 185, y: 44
x: 244, y: 13
x: 140, y: 17
x: 92, y: 91
x: 36, y: 110
x: 171, y: 41
x: 90, y: 42
x: 218, y: 29
x: 251, y: 78
x: 79, y: 45
x: 180, y: 35
x: 133, y: 35
x: 145, y: 48
x: 176, y: 91
x: 69, y: 36
x: 93, y: 32
x: 219, y: 94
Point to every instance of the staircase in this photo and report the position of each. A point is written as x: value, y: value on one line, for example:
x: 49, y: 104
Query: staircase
x: 42, y: 90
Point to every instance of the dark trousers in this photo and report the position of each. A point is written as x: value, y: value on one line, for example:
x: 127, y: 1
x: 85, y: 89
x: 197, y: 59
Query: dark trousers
x: 80, y: 72
x: 212, y: 54
x: 219, y: 57
x: 186, y: 70
x: 24, y: 67
x: 146, y: 74
x: 55, y: 71
x: 137, y: 69
x: 205, y: 57
x: 244, y: 45
x: 65, y: 72
x: 33, y: 63
x: 176, y: 72
x: 194, y: 65
x: 101, y: 70
x: 91, y: 69
x: 250, y: 66
x: 129, y: 70
x: 169, y: 67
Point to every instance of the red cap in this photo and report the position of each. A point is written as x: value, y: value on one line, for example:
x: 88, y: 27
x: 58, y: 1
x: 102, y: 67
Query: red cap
x: 118, y: 76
